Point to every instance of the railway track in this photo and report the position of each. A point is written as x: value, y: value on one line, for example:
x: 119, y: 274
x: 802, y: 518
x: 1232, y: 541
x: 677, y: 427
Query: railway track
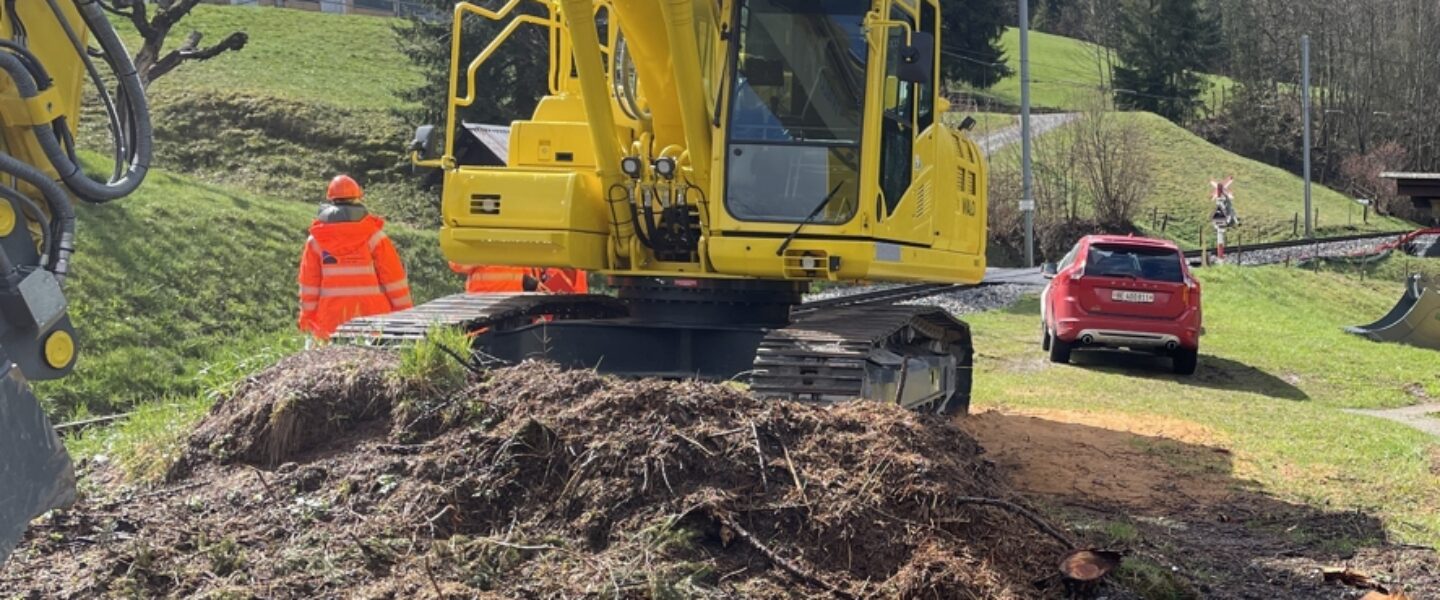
x: 1194, y: 256
x: 904, y: 293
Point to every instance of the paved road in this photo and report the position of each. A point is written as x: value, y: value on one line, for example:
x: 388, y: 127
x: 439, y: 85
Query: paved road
x: 1039, y: 125
x: 1417, y: 416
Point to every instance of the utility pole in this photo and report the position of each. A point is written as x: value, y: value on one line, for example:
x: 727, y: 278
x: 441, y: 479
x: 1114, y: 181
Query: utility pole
x: 1027, y: 204
x: 1305, y: 100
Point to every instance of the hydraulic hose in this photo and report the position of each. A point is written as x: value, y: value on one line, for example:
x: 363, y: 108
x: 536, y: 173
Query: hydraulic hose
x: 130, y: 121
x: 62, y: 234
x: 32, y: 211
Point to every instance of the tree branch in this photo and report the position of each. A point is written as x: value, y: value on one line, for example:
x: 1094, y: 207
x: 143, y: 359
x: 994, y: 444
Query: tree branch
x: 170, y: 15
x: 138, y: 17
x: 190, y: 50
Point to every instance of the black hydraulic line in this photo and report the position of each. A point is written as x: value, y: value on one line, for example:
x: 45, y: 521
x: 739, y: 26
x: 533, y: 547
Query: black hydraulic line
x: 32, y: 211
x: 137, y: 152
x: 63, y: 229
x: 111, y: 111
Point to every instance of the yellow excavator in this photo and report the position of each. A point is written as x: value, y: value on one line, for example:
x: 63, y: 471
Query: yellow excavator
x: 714, y: 159
x: 48, y: 51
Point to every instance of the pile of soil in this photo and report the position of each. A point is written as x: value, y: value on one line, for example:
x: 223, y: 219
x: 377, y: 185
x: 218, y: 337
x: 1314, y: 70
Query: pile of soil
x: 327, y: 476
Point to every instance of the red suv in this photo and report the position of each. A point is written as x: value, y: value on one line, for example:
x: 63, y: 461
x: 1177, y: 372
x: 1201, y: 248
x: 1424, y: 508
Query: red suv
x: 1122, y: 292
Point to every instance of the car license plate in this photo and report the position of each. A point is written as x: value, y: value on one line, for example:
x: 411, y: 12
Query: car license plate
x: 1134, y: 297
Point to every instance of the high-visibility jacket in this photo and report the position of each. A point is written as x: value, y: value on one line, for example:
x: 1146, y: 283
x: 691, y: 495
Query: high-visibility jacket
x: 348, y: 269
x: 501, y: 279
x: 563, y: 281
x: 492, y: 279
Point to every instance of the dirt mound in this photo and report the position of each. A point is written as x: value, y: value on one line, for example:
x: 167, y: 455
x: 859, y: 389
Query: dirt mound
x: 533, y: 482
x: 297, y: 405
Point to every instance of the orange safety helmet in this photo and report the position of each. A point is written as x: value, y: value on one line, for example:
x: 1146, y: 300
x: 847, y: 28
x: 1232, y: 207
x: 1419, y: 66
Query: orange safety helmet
x: 344, y: 189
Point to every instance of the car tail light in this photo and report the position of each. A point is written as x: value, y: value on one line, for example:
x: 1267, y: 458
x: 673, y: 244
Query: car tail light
x: 1191, y: 287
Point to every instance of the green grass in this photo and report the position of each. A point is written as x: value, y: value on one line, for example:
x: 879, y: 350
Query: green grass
x: 1276, y: 374
x: 148, y: 442
x: 341, y: 60
x: 309, y: 96
x: 1396, y: 267
x: 174, y: 277
x: 1267, y: 198
x: 1066, y: 73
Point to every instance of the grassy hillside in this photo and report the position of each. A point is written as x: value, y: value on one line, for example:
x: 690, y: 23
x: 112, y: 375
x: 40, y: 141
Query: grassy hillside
x: 310, y: 95
x: 1065, y: 73
x: 1182, y: 165
x: 342, y: 60
x: 183, y: 274
x: 1267, y: 198
x: 1276, y: 372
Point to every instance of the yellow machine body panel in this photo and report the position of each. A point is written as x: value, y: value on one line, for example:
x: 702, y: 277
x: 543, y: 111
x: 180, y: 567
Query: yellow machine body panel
x: 47, y: 41
x: 774, y: 139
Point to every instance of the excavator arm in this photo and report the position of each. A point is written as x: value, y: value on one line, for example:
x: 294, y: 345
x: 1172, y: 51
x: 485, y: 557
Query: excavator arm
x: 49, y: 51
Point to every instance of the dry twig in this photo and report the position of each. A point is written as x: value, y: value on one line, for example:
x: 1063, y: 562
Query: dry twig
x: 1045, y: 527
x: 795, y: 474
x: 764, y: 481
x: 430, y: 574
x: 789, y: 566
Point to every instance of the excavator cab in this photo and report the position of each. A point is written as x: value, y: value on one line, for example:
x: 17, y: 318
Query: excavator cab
x: 791, y: 140
x: 713, y: 159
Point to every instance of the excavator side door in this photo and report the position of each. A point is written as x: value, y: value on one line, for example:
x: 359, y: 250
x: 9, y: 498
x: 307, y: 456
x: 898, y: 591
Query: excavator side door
x: 907, y: 136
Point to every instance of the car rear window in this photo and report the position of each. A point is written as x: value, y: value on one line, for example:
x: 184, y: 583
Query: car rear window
x: 1153, y: 264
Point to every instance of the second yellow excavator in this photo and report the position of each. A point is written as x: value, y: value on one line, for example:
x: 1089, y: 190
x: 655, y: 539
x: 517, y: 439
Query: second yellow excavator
x: 714, y: 158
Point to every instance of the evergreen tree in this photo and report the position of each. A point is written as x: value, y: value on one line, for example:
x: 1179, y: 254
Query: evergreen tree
x: 970, y: 39
x: 1163, y: 47
x: 508, y: 86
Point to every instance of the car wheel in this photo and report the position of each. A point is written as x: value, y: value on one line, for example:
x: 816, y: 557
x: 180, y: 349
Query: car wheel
x: 1045, y: 337
x: 1059, y: 351
x: 1186, y: 360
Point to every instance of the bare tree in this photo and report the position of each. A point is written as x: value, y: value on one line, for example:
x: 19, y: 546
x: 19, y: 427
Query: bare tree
x: 1114, y: 165
x: 154, y: 29
x: 1056, y: 169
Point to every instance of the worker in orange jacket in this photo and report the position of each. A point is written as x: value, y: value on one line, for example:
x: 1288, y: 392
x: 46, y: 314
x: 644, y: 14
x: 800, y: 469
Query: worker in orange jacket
x: 501, y: 279
x: 349, y: 268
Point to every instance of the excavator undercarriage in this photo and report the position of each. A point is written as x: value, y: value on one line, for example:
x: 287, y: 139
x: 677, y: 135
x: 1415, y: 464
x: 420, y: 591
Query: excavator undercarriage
x: 915, y: 356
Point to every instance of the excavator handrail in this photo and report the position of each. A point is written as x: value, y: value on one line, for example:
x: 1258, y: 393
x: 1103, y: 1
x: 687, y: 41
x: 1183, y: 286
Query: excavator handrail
x: 457, y: 38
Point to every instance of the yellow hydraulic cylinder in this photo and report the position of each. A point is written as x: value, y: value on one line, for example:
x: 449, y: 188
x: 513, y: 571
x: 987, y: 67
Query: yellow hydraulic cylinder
x: 690, y: 86
x: 585, y: 41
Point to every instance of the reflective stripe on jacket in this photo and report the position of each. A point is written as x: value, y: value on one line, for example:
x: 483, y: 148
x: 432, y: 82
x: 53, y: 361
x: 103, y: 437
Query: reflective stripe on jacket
x: 349, y: 269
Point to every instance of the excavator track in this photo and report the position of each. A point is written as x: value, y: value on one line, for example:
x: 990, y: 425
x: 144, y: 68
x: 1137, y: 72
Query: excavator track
x: 917, y: 356
x: 475, y: 313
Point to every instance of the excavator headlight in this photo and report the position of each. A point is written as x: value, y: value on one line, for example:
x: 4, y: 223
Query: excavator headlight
x: 631, y: 166
x: 665, y: 167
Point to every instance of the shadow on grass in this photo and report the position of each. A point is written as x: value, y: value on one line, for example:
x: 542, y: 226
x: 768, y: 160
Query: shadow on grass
x: 1213, y: 373
x: 1191, y: 527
